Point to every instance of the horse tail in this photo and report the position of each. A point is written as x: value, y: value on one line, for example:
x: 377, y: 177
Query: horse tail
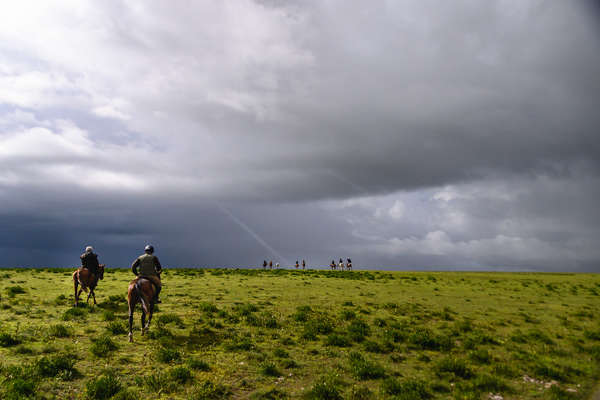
x: 140, y: 294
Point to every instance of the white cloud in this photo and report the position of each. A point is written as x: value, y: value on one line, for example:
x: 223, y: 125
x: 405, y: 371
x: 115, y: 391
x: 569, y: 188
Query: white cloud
x: 397, y: 210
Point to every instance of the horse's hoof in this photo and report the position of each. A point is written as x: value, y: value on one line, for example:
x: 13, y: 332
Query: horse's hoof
x: 130, y: 337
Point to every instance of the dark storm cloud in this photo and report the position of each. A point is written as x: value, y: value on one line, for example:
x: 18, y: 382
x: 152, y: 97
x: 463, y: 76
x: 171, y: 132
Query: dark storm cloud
x: 230, y: 131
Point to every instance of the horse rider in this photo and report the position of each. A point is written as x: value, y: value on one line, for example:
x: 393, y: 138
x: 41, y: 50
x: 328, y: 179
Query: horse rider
x: 303, y: 264
x: 297, y: 264
x: 264, y: 264
x: 89, y: 260
x: 332, y: 265
x: 149, y: 268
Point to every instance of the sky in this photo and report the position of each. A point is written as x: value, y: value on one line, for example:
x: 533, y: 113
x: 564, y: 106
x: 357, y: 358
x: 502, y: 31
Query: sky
x: 402, y: 134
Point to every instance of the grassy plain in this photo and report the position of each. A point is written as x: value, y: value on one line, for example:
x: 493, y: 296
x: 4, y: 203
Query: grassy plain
x: 313, y: 335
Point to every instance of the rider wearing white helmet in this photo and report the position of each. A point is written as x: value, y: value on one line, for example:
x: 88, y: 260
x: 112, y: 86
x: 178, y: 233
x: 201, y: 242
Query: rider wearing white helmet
x: 89, y: 260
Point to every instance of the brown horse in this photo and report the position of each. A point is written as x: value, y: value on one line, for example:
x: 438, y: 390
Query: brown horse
x: 141, y: 290
x: 86, y: 279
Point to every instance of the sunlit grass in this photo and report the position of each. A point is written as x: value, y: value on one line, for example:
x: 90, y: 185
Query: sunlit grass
x: 313, y: 334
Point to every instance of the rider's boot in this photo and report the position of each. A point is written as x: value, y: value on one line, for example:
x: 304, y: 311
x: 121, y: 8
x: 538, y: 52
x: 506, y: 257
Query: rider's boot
x: 156, y: 299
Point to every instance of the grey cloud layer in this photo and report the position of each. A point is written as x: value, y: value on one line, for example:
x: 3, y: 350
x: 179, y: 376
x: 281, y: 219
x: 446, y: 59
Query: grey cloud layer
x: 278, y: 106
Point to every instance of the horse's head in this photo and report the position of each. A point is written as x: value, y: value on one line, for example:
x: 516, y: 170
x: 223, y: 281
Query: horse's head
x: 101, y: 271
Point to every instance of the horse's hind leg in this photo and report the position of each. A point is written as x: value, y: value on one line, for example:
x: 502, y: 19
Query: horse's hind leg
x: 143, y: 320
x: 150, y: 316
x: 77, y: 295
x: 75, y: 284
x: 131, y: 308
x: 93, y: 296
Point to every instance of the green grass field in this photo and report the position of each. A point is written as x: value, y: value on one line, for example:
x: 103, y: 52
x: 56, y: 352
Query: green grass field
x: 313, y: 335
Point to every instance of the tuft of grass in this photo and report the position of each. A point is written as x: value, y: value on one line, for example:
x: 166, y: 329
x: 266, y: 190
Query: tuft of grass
x: 8, y: 340
x: 75, y: 313
x: 360, y: 393
x: 246, y: 309
x: 375, y: 347
x: 210, y: 391
x: 324, y: 389
x: 347, y: 315
x: 363, y: 369
x: 62, y: 365
x: 592, y: 335
x: 103, y: 346
x: 269, y: 394
x: 288, y: 363
x: 557, y: 393
x: 108, y: 315
x: 358, y: 330
x: 160, y: 332
x: 481, y: 356
x: 539, y: 337
x: 167, y: 355
x: 116, y: 328
x: 404, y: 390
x: 208, y: 308
x: 269, y: 369
x: 338, y: 340
x: 59, y: 331
x: 453, y: 365
x: 159, y: 382
x: 14, y: 290
x: 280, y: 353
x: 547, y: 370
x: 102, y: 388
x: 488, y: 383
x: 198, y: 365
x: 180, y: 375
x: 22, y: 349
x: 425, y: 339
x: 165, y: 319
x: 18, y: 388
x: 239, y: 344
x: 319, y: 324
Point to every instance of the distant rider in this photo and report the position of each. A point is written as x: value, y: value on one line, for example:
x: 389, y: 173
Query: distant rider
x: 149, y: 268
x: 89, y: 260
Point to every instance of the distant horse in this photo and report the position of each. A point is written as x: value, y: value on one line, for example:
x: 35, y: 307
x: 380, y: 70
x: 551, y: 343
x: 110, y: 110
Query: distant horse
x: 141, y: 290
x: 86, y: 279
x: 349, y: 266
x: 332, y: 265
x: 341, y: 265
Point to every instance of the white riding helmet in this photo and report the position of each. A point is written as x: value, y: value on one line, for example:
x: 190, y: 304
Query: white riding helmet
x: 89, y: 249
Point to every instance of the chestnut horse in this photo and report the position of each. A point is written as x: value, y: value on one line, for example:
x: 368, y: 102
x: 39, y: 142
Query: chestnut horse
x: 141, y: 290
x: 86, y: 279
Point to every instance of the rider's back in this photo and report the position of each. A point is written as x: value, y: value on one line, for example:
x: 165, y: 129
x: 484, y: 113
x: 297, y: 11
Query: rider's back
x: 148, y: 263
x: 89, y: 260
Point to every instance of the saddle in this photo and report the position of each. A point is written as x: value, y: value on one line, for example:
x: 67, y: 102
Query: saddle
x: 136, y: 280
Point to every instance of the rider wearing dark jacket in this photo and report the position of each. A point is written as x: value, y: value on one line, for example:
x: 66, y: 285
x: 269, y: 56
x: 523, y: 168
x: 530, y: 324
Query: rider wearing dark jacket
x: 89, y: 260
x: 149, y: 268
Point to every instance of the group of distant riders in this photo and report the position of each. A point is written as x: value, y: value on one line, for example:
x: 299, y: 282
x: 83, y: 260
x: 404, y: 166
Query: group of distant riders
x: 145, y: 266
x: 333, y: 265
x: 270, y: 264
x: 340, y: 265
